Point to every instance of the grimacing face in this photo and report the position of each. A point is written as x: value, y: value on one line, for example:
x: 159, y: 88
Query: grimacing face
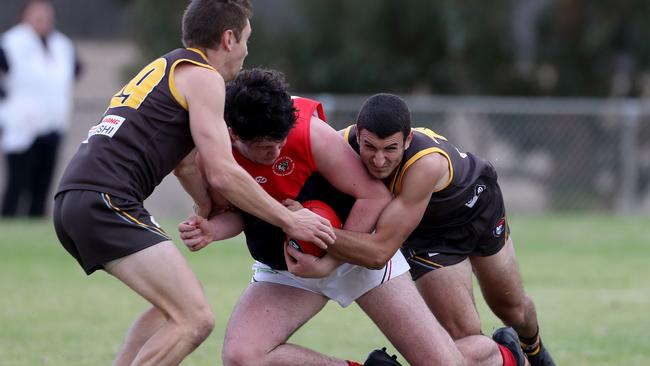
x: 262, y: 151
x: 381, y: 156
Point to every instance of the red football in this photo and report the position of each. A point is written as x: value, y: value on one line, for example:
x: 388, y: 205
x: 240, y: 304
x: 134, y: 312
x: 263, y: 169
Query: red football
x: 322, y: 209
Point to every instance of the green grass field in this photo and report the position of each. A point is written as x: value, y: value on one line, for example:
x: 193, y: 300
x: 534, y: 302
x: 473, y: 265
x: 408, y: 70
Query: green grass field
x: 588, y: 275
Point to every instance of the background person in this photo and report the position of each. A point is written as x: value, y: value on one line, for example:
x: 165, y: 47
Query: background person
x: 39, y: 66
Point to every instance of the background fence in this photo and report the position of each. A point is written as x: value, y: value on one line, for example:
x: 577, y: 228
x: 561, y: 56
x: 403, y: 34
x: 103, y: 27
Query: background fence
x: 551, y: 154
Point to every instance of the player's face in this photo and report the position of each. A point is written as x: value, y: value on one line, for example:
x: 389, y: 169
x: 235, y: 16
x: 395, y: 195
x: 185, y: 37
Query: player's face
x: 238, y: 53
x: 381, y: 156
x: 265, y: 151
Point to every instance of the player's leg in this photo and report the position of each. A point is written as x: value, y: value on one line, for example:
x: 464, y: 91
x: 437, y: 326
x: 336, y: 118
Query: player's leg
x: 449, y: 294
x: 138, y: 334
x: 163, y: 277
x: 500, y: 282
x: 401, y: 314
x: 264, y: 318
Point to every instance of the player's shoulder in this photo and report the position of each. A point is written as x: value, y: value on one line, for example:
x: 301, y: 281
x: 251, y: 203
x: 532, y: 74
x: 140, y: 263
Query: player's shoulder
x: 191, y: 79
x: 427, y: 169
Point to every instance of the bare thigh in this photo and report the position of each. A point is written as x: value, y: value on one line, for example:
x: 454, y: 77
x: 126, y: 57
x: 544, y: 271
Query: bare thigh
x: 266, y: 315
x: 162, y: 276
x: 398, y: 310
x: 448, y: 293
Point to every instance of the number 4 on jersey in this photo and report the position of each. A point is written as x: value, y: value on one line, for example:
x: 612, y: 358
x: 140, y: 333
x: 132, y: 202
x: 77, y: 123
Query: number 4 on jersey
x: 140, y: 86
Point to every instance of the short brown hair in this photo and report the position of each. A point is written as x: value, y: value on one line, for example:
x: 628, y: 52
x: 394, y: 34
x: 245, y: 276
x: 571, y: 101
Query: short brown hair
x: 204, y: 21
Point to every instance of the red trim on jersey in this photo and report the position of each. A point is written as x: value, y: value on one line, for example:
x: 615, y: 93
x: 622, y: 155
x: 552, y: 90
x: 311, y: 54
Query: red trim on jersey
x: 286, y: 177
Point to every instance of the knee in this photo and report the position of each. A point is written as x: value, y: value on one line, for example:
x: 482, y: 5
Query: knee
x: 461, y: 329
x: 238, y: 354
x: 515, y: 313
x: 198, y: 325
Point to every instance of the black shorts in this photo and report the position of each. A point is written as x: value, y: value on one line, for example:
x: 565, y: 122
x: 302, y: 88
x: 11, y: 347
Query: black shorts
x: 97, y: 228
x: 484, y: 234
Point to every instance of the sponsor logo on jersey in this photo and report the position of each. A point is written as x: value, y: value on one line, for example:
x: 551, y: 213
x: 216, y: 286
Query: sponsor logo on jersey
x: 283, y: 166
x: 260, y: 179
x: 107, y: 127
x: 478, y: 189
x: 500, y: 227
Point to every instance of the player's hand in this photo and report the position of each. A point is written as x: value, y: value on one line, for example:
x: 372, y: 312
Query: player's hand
x: 195, y: 232
x: 307, y: 265
x: 292, y: 204
x: 311, y: 227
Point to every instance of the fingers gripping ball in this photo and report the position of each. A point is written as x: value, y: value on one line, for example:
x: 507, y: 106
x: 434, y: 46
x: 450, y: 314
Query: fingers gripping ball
x: 322, y: 209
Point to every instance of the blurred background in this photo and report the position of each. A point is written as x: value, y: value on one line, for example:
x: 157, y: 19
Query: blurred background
x: 556, y: 93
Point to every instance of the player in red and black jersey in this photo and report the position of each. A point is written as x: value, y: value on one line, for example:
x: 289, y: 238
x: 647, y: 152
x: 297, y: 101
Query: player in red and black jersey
x: 285, y: 160
x: 448, y: 216
x: 150, y: 128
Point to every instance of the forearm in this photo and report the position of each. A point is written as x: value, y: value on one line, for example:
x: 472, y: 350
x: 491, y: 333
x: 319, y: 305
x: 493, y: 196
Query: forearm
x: 226, y: 225
x: 241, y: 190
x: 365, y: 213
x: 362, y: 249
x: 194, y: 184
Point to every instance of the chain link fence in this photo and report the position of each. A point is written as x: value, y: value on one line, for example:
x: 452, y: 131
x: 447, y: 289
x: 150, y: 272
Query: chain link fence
x: 551, y: 154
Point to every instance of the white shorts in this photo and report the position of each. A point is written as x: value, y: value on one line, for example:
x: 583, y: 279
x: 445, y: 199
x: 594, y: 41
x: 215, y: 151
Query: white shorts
x: 346, y: 284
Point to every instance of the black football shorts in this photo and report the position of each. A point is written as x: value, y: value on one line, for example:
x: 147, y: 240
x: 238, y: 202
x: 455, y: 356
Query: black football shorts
x: 96, y: 228
x: 482, y: 235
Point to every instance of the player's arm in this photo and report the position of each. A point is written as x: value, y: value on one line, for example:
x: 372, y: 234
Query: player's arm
x: 340, y: 166
x: 204, y: 91
x: 193, y: 182
x: 397, y: 221
x: 197, y: 232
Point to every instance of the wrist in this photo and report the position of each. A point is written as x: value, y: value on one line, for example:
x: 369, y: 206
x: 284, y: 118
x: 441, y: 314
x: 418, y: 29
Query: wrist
x: 286, y: 220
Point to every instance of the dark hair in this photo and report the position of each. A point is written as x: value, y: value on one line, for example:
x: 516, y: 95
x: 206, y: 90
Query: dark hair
x: 258, y: 105
x: 384, y: 115
x: 204, y: 21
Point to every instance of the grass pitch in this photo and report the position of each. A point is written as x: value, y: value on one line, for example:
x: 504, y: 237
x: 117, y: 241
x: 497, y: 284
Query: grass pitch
x: 587, y: 274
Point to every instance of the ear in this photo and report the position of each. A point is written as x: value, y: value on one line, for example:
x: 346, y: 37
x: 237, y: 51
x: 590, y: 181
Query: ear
x: 357, y: 135
x: 409, y: 138
x: 228, y: 39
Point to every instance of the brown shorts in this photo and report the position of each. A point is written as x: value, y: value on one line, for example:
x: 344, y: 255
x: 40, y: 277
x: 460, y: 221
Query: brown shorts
x: 96, y: 228
x: 484, y: 235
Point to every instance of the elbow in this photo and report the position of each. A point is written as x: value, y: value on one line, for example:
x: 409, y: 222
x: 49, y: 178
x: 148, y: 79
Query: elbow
x: 183, y: 170
x: 218, y: 181
x: 221, y: 177
x: 379, y: 260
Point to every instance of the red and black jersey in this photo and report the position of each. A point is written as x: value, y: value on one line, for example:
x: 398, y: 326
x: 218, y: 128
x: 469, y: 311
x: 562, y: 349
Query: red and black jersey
x: 293, y: 175
x: 459, y: 201
x: 142, y: 136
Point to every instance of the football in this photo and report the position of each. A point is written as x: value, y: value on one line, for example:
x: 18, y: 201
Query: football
x: 322, y: 209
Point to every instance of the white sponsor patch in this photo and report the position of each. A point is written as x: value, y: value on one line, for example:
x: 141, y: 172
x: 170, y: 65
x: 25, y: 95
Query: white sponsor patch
x: 107, y: 127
